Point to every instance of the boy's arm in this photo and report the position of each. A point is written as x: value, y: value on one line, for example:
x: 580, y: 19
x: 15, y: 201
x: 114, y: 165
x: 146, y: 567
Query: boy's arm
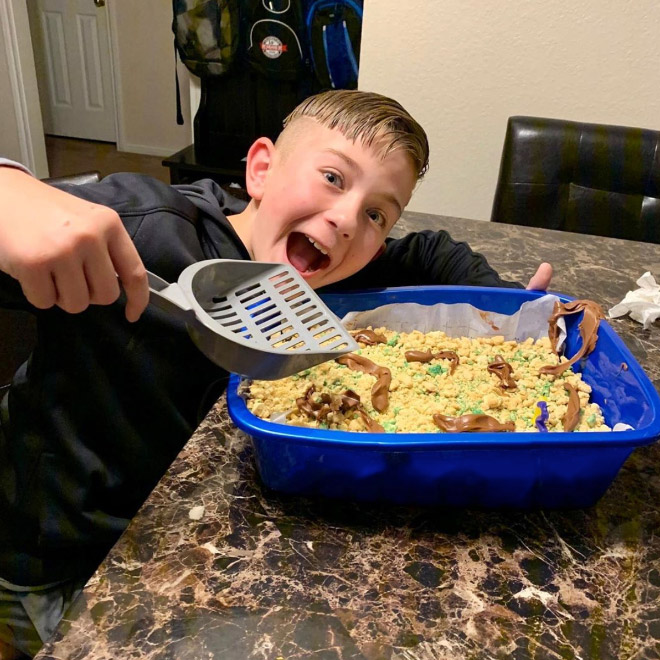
x: 427, y: 257
x: 63, y: 250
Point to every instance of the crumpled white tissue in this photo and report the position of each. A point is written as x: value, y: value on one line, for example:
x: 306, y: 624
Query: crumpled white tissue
x: 643, y: 304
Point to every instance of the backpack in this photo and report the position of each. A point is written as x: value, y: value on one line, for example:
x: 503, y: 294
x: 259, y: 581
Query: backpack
x: 274, y: 34
x: 206, y: 35
x: 334, y: 29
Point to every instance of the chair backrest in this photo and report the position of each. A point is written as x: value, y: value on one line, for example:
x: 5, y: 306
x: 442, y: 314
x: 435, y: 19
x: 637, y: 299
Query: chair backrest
x: 75, y: 179
x: 588, y: 178
x: 18, y: 331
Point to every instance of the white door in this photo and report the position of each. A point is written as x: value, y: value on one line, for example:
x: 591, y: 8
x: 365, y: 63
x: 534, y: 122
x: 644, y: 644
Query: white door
x: 72, y: 58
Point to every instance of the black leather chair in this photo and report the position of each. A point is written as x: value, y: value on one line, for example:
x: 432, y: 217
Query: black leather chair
x: 587, y: 178
x: 18, y: 331
x: 75, y: 179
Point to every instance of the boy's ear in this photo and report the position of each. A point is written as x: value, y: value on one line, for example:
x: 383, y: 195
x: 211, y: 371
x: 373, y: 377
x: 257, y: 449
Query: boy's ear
x: 259, y: 161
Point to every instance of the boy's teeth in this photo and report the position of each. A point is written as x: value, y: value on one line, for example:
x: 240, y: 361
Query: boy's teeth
x: 318, y: 246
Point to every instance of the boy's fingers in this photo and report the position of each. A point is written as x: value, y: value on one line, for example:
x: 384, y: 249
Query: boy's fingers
x: 67, y: 251
x: 131, y: 272
x: 39, y: 288
x: 137, y: 298
x: 73, y: 294
x: 101, y: 279
x: 540, y: 281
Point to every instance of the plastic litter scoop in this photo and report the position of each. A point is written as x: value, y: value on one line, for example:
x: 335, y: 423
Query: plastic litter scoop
x: 255, y: 319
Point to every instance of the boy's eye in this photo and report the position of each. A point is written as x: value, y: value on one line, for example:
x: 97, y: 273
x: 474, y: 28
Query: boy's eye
x: 377, y: 217
x: 333, y: 178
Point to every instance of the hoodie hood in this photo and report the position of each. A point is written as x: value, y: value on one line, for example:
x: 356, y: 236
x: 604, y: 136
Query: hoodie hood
x: 215, y: 204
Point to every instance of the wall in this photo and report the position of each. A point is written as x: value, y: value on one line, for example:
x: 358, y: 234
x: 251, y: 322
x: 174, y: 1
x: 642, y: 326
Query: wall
x: 19, y: 96
x: 462, y: 68
x: 143, y: 45
x: 9, y: 143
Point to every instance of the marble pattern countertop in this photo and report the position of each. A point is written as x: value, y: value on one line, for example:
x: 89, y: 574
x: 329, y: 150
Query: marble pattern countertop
x: 265, y: 576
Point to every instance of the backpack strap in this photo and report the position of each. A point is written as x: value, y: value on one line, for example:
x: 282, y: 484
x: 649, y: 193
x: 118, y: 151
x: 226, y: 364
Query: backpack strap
x: 179, y: 114
x: 341, y: 63
x: 333, y: 33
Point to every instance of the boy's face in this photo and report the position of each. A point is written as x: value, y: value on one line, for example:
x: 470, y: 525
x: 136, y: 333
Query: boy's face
x: 326, y: 204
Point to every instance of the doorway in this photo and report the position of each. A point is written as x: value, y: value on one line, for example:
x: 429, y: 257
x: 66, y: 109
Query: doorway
x: 73, y: 58
x: 73, y: 61
x: 131, y: 86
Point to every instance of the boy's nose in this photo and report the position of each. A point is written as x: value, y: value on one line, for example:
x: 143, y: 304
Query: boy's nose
x: 344, y: 219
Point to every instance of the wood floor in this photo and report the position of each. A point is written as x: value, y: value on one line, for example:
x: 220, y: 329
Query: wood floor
x: 73, y: 156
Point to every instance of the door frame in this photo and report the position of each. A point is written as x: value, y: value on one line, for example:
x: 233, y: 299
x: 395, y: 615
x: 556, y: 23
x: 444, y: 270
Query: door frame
x: 113, y: 45
x: 23, y: 75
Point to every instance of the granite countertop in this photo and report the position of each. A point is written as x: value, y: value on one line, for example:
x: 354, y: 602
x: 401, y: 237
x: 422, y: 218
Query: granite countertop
x: 266, y: 576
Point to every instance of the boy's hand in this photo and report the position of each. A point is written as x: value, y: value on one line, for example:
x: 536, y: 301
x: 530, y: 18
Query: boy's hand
x: 540, y: 281
x: 66, y: 251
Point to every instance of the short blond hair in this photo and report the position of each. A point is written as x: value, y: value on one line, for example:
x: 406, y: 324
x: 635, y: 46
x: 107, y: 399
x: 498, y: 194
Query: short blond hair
x: 368, y: 117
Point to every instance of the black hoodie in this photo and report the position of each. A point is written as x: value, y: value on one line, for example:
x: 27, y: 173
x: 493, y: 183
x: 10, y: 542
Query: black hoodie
x: 95, y: 417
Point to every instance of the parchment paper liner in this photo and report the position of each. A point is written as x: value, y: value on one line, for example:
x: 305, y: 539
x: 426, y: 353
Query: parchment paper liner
x: 462, y: 320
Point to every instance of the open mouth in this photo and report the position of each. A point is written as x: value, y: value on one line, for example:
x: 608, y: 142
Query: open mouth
x: 305, y: 254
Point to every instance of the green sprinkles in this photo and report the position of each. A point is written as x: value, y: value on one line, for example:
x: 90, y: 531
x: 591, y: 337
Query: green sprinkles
x: 441, y: 387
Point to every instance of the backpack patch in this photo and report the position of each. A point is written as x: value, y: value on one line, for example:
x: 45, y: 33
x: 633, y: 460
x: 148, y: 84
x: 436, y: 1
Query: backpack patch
x: 334, y: 30
x: 274, y: 33
x: 206, y: 34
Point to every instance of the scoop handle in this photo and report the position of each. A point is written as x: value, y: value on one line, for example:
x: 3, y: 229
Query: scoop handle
x: 169, y: 297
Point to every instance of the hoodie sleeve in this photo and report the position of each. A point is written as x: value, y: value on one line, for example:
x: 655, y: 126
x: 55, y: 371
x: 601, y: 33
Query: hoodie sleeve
x: 427, y: 257
x: 11, y: 294
x: 5, y: 162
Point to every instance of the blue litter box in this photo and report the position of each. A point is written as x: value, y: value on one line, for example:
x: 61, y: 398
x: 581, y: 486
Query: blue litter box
x: 483, y: 470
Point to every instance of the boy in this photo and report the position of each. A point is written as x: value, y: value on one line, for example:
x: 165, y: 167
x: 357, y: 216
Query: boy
x: 105, y: 404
